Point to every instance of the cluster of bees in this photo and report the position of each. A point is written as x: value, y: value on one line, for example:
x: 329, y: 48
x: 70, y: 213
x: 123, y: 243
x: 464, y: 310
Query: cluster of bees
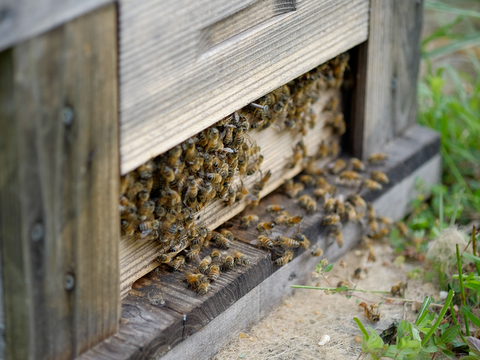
x: 161, y: 199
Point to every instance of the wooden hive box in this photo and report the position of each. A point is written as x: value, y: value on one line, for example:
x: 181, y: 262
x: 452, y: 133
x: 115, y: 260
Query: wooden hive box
x: 91, y: 91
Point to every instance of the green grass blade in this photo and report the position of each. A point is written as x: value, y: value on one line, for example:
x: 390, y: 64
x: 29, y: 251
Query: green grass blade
x: 440, y: 317
x: 457, y: 204
x: 465, y: 43
x: 451, y: 9
x: 423, y: 310
x: 470, y: 316
x: 440, y: 209
x: 362, y: 328
x: 471, y: 257
x: 462, y: 289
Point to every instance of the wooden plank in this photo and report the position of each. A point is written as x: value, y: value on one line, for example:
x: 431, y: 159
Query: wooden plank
x: 153, y: 322
x: 137, y: 258
x: 389, y: 62
x: 59, y: 193
x: 23, y: 19
x: 2, y: 312
x: 170, y: 90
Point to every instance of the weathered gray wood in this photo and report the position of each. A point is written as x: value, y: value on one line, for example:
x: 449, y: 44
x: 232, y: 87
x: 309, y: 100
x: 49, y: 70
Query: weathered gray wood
x: 171, y: 88
x: 387, y: 81
x: 23, y: 19
x: 2, y: 314
x: 59, y: 189
x: 153, y: 322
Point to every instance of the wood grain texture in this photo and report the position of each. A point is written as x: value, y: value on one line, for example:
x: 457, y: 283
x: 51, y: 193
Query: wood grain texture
x: 2, y: 312
x: 137, y: 258
x: 170, y: 90
x: 153, y: 322
x: 23, y: 19
x: 389, y: 63
x: 59, y: 210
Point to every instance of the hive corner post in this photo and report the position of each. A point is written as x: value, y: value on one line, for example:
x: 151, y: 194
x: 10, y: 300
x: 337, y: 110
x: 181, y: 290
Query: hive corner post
x: 385, y: 95
x: 59, y: 185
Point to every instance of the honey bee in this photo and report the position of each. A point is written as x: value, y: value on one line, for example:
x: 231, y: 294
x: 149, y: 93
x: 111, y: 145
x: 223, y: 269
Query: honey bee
x: 145, y: 171
x: 317, y: 252
x: 371, y: 212
x: 379, y: 177
x: 337, y: 235
x: 253, y: 169
x: 240, y: 194
x: 402, y: 228
x: 350, y: 212
x: 350, y: 177
x: 228, y: 234
x: 357, y: 201
x: 127, y: 227
x: 371, y: 311
x: 288, y: 185
x: 264, y: 226
x: 329, y: 205
x: 296, y: 190
x: 281, y: 218
x: 293, y: 220
x: 309, y: 204
x: 214, y: 272
x: 337, y: 124
x: 204, y: 264
x: 146, y: 210
x: 372, y: 185
x: 125, y: 183
x: 307, y: 180
x: 381, y: 233
x: 357, y: 165
x: 377, y: 158
x: 275, y: 208
x: 323, y: 150
x: 337, y: 166
x: 221, y: 241
x: 228, y: 263
x: 247, y: 220
x: 149, y: 225
x: 304, y: 242
x: 320, y: 193
x: 193, y: 252
x: 286, y: 242
x: 371, y: 256
x: 164, y: 258
x: 203, y: 288
x: 240, y: 259
x: 288, y: 255
x: 385, y: 220
x: 230, y: 198
x: 331, y: 105
x: 373, y: 225
x: 330, y: 219
x: 174, y: 154
x: 178, y: 247
x: 296, y: 157
x: 213, y: 139
x: 215, y: 255
x: 194, y: 280
x: 340, y: 205
x: 263, y: 241
x: 357, y: 272
x: 398, y: 289
x: 177, y: 262
x: 334, y: 149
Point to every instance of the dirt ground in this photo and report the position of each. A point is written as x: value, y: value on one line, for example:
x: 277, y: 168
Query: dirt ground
x: 294, y: 329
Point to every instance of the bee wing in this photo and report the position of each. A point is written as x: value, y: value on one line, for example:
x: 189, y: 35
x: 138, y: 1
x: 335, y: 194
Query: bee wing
x: 255, y: 242
x: 251, y: 197
x: 145, y: 233
x: 274, y: 234
x: 226, y: 149
x: 121, y: 207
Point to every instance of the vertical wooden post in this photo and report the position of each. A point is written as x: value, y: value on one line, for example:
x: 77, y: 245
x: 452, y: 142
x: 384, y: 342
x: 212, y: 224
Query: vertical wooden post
x: 59, y: 188
x: 386, y: 91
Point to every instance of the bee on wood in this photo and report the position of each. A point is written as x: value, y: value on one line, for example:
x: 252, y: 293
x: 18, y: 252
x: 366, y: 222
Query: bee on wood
x: 213, y: 139
x: 329, y: 205
x: 402, y: 229
x: 146, y: 210
x: 127, y: 227
x: 253, y: 169
x: 295, y: 191
x: 371, y: 184
x: 377, y: 158
x: 337, y: 166
x: 145, y: 171
x: 340, y: 205
x: 293, y: 220
x: 317, y: 252
x: 304, y: 242
x: 350, y: 212
x: 177, y: 262
x: 230, y: 197
x: 228, y: 263
x: 371, y: 311
x: 379, y: 177
x: 330, y: 220
x: 385, y: 221
x: 227, y: 233
x: 204, y: 264
x: 274, y: 208
x: 281, y: 218
x: 350, y: 177
x: 323, y: 150
x: 320, y: 193
x: 215, y: 255
x: 287, y: 256
x: 264, y: 226
x: 334, y: 149
x: 357, y: 201
x: 357, y: 272
x: 381, y: 233
x: 240, y: 194
x: 371, y: 212
x: 337, y: 124
x: 296, y: 157
x: 309, y: 204
x: 398, y: 289
x: 149, y: 225
x: 357, y: 165
x: 264, y: 179
x: 221, y: 241
x: 307, y: 180
x: 194, y: 252
x: 214, y: 272
x: 194, y: 280
x: 240, y: 259
x: 337, y: 235
x: 263, y: 241
x: 246, y: 221
x: 332, y: 104
x: 286, y: 242
x: 203, y: 288
x: 164, y: 258
x: 371, y: 256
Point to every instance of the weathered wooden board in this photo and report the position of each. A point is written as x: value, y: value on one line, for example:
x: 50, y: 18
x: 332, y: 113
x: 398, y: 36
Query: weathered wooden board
x: 160, y: 313
x: 2, y: 314
x: 59, y: 184
x: 385, y: 101
x: 138, y: 257
x: 180, y: 74
x: 23, y: 19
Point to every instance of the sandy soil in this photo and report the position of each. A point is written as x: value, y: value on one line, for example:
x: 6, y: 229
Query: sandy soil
x: 294, y: 329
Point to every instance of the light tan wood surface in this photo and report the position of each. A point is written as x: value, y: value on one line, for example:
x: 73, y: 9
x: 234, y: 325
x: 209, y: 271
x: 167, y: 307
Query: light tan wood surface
x: 171, y: 87
x: 59, y: 189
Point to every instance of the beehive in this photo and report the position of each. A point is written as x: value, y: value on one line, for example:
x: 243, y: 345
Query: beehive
x: 91, y: 91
